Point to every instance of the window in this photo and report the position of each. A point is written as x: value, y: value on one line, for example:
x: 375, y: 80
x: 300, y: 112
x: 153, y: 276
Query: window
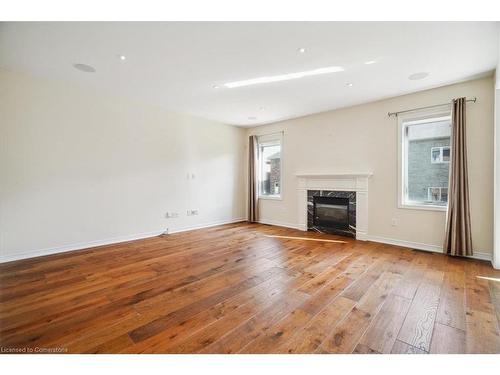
x: 270, y: 166
x: 437, y: 194
x: 440, y: 155
x: 424, y: 179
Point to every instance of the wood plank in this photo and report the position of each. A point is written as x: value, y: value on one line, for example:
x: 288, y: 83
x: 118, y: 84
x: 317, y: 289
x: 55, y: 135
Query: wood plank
x: 495, y: 297
x: 404, y: 348
x: 237, y: 339
x: 185, y: 298
x: 312, y: 335
x: 447, y: 340
x: 114, y: 345
x: 411, y: 281
x: 382, y: 333
x: 320, y: 280
x: 364, y: 349
x: 280, y: 333
x: 345, y: 336
x: 373, y: 299
x: 482, y: 333
x: 419, y: 322
x: 477, y: 295
x: 210, y: 335
x: 326, y: 294
x: 357, y: 289
x: 451, y: 311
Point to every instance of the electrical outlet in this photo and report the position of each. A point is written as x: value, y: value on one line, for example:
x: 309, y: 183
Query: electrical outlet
x: 188, y: 212
x: 194, y: 212
x: 170, y: 215
x: 394, y: 222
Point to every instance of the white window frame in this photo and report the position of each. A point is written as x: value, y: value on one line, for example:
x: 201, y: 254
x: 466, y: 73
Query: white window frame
x: 440, y: 161
x: 440, y: 192
x: 403, y: 121
x: 269, y: 140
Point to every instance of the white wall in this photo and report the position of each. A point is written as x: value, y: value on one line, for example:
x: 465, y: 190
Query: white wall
x: 364, y: 139
x: 79, y: 167
x: 496, y: 231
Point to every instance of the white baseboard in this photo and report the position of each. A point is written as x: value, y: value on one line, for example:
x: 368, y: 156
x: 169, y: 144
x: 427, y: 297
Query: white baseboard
x: 481, y: 255
x: 206, y: 225
x: 108, y: 241
x: 279, y: 224
x: 422, y: 246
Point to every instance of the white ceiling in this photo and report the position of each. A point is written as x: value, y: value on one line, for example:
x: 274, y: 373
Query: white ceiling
x: 176, y: 64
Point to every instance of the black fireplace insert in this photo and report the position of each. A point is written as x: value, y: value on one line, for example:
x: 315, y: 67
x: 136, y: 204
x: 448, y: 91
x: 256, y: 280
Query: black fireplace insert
x: 331, y: 212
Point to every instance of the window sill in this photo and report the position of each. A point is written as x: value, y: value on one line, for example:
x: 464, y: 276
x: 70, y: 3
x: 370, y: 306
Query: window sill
x: 423, y: 207
x: 271, y: 197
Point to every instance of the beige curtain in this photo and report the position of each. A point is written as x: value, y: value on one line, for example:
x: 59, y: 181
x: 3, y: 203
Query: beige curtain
x: 458, y: 239
x: 253, y: 191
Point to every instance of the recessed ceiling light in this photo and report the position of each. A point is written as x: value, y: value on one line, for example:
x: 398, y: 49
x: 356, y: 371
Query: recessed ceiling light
x: 216, y: 87
x: 349, y: 84
x: 122, y: 57
x: 84, y: 68
x: 284, y: 77
x: 419, y: 75
x: 370, y: 62
x: 301, y: 50
x: 252, y: 118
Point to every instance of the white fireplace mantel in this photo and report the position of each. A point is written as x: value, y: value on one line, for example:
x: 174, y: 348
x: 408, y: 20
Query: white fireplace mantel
x: 333, y: 175
x: 357, y: 182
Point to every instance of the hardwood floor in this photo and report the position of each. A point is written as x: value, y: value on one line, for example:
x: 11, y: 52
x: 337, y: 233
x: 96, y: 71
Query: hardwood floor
x: 248, y: 288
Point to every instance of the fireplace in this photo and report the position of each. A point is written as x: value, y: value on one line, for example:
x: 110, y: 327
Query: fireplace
x: 353, y: 186
x: 332, y: 212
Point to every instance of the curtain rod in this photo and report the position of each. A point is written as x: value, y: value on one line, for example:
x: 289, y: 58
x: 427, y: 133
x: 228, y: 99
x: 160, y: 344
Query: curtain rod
x: 274, y: 133
x: 430, y: 106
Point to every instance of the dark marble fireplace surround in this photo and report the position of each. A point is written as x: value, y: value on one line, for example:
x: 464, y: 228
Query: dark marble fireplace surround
x: 350, y: 195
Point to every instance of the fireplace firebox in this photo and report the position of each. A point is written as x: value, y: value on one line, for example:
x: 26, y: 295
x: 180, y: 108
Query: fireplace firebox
x: 332, y: 212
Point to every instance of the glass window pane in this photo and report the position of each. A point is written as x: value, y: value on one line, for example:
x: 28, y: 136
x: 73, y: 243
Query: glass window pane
x: 434, y: 194
x: 270, y: 173
x: 426, y: 179
x: 444, y: 194
x: 436, y: 155
x: 446, y: 154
